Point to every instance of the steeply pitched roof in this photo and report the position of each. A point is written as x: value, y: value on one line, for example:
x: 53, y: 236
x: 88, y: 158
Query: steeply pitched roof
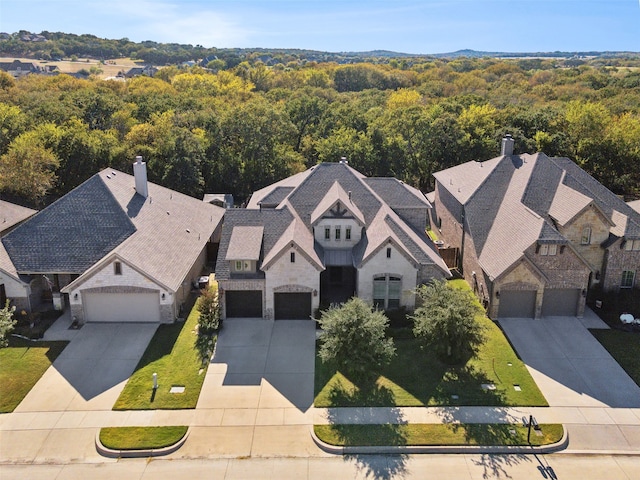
x: 246, y: 243
x: 72, y: 233
x: 307, y: 196
x: 161, y: 235
x: 12, y: 214
x: 513, y: 201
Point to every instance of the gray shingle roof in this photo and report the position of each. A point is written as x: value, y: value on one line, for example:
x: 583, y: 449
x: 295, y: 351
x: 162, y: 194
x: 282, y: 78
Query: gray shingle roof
x: 317, y: 188
x: 512, y: 202
x: 245, y: 243
x: 12, y: 214
x: 397, y: 194
x: 71, y: 234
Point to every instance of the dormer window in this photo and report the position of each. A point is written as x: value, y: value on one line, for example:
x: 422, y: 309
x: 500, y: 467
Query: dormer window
x: 586, y: 236
x: 242, y: 266
x: 548, y: 249
x: 632, y: 245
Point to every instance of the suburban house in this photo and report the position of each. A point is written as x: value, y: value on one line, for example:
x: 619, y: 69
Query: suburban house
x: 18, y: 68
x: 11, y: 215
x: 116, y: 248
x: 534, y: 234
x: 320, y: 237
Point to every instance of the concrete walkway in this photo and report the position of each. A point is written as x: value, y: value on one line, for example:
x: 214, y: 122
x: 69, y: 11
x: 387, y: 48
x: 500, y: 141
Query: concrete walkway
x: 248, y: 408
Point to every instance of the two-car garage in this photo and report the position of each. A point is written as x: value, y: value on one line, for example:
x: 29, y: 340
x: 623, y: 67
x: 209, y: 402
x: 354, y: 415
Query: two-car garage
x: 249, y: 304
x: 121, y: 307
x: 556, y: 302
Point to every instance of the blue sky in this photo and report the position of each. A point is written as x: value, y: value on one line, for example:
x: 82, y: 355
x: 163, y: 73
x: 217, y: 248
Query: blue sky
x: 427, y: 26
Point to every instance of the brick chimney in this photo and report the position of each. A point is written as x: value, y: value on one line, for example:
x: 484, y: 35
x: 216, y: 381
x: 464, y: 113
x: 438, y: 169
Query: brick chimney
x: 507, y: 145
x: 140, y: 175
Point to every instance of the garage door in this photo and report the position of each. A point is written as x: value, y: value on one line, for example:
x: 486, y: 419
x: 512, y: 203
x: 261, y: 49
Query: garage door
x: 292, y: 306
x: 121, y: 307
x: 243, y: 303
x: 518, y: 304
x: 560, y: 302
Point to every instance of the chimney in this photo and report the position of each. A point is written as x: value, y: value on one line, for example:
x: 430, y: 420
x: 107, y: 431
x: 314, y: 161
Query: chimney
x: 140, y: 174
x: 507, y: 145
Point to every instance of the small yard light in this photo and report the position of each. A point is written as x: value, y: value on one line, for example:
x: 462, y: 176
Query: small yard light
x: 155, y: 381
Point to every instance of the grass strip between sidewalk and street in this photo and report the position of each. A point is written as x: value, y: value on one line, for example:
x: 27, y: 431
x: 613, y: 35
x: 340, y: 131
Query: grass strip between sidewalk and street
x: 416, y: 377
x: 22, y: 364
x: 141, y: 438
x: 490, y: 434
x: 624, y: 347
x: 174, y: 356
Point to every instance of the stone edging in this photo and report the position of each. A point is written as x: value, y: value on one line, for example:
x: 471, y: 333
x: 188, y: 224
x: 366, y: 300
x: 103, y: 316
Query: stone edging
x: 151, y: 452
x: 504, y: 449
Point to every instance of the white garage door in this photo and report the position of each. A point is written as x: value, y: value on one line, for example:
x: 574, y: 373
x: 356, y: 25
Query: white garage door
x: 121, y: 307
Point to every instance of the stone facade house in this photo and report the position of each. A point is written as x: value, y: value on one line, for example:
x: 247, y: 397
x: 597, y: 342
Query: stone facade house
x: 320, y: 237
x: 116, y: 248
x: 535, y: 233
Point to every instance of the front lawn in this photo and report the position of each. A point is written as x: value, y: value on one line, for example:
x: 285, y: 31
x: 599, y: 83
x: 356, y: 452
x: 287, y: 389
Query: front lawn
x: 624, y: 347
x: 416, y: 377
x: 22, y: 364
x: 141, y: 438
x: 174, y: 355
x: 436, y: 434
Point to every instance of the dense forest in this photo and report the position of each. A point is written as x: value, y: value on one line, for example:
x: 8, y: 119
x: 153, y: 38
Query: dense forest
x: 236, y: 127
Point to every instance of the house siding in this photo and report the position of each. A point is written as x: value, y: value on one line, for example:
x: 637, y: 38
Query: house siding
x: 618, y: 260
x: 16, y: 291
x: 285, y: 276
x: 397, y: 266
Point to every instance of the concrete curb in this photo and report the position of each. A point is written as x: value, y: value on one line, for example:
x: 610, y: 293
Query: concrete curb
x: 427, y: 449
x: 152, y: 452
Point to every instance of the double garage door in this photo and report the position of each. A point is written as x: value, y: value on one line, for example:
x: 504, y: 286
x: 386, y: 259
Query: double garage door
x: 557, y: 302
x: 121, y: 307
x: 248, y: 304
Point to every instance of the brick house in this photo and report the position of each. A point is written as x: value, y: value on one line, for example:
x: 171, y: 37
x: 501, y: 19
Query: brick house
x: 116, y: 248
x: 534, y: 233
x: 320, y: 237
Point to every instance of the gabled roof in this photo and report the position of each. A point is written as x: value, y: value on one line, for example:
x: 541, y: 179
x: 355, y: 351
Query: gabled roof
x: 512, y: 202
x: 72, y: 233
x: 161, y: 235
x: 12, y: 214
x: 246, y: 243
x: 337, y: 197
x: 635, y: 205
x: 306, y: 197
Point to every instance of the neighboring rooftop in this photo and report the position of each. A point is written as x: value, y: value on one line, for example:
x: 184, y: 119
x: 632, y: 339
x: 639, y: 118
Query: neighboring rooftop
x: 12, y: 214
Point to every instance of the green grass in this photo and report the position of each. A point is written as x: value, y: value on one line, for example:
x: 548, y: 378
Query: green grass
x: 436, y: 434
x: 624, y: 347
x: 22, y: 364
x: 141, y: 438
x: 173, y: 354
x: 416, y: 377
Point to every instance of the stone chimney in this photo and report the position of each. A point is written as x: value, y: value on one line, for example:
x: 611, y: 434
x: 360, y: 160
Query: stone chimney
x: 507, y: 145
x: 140, y: 174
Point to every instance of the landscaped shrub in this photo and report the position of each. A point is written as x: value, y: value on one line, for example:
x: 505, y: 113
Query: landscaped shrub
x: 7, y: 322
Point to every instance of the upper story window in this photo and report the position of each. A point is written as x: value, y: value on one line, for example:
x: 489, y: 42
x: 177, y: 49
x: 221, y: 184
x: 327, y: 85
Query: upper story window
x: 347, y: 233
x: 628, y: 276
x: 551, y: 249
x: 242, y: 266
x: 585, y: 239
x: 388, y: 252
x: 293, y: 257
x: 632, y: 245
x: 327, y: 233
x: 117, y: 268
x: 337, y: 233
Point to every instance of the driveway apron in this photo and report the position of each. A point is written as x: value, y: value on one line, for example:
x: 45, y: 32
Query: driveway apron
x: 569, y: 364
x: 92, y: 370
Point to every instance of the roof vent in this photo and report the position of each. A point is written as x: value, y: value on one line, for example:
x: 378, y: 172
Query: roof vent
x: 344, y: 161
x: 349, y: 193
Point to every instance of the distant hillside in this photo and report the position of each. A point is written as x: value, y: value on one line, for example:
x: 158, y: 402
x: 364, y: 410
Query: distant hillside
x: 57, y: 45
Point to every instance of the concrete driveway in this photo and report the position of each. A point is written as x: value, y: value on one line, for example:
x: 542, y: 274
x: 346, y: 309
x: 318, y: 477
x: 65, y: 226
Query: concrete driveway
x: 92, y: 370
x: 569, y: 364
x: 262, y: 364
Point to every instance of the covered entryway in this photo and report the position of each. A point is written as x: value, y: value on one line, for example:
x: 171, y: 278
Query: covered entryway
x: 292, y: 306
x: 517, y: 304
x: 121, y: 307
x: 243, y: 303
x: 560, y: 302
